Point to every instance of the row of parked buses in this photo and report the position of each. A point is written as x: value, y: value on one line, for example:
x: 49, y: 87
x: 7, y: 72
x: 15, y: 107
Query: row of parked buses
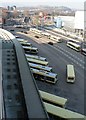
x: 28, y: 46
x: 72, y: 44
x: 38, y: 65
x: 48, y: 35
x: 54, y: 105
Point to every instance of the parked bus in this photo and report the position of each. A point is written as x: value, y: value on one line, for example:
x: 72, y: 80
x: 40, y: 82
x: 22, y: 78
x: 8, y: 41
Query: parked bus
x: 70, y: 73
x: 44, y: 75
x: 55, y: 38
x: 53, y: 99
x: 35, y: 57
x: 74, y: 46
x: 45, y: 34
x: 83, y: 51
x: 36, y: 31
x: 22, y: 40
x: 45, y: 63
x: 40, y: 67
x: 30, y: 49
x: 26, y: 44
x: 74, y: 41
x: 62, y: 113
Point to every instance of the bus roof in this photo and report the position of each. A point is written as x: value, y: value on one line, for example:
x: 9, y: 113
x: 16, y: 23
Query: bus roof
x: 73, y: 44
x: 84, y: 49
x: 53, y: 98
x: 45, y: 73
x: 45, y: 33
x: 70, y: 70
x: 21, y: 40
x: 40, y: 66
x: 25, y: 43
x: 61, y: 112
x: 27, y: 47
x: 37, y: 61
x: 35, y: 57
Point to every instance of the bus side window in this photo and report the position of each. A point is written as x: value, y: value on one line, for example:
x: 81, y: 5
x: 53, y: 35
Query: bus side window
x: 50, y: 79
x: 41, y: 77
x: 35, y: 76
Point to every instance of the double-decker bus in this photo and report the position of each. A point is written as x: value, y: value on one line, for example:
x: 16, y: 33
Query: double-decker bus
x: 59, y: 113
x: 44, y: 75
x: 40, y: 67
x: 41, y: 62
x: 70, y: 73
x: 74, y: 46
x: 83, y: 51
x: 30, y: 49
x: 35, y: 57
x: 53, y: 99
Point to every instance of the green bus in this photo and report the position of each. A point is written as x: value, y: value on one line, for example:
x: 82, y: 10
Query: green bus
x: 40, y: 67
x: 53, y: 99
x: 30, y: 49
x: 26, y: 44
x: 70, y: 73
x: 44, y: 75
x: 35, y: 57
x: 62, y: 113
x: 31, y: 60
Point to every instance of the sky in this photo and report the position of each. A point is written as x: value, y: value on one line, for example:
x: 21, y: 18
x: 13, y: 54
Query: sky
x: 76, y: 4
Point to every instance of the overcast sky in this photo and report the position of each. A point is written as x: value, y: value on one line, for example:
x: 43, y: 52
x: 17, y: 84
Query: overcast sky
x: 76, y: 4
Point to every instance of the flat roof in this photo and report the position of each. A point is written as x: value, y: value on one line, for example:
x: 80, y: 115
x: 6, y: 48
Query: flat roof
x: 35, y: 107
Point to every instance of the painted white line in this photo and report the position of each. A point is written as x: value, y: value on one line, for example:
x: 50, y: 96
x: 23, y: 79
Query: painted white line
x: 69, y: 57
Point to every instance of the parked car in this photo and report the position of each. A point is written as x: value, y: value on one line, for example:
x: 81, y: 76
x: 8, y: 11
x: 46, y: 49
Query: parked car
x: 50, y: 43
x: 36, y: 36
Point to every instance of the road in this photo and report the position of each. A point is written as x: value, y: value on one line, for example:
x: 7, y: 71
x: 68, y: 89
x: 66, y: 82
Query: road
x: 59, y: 55
x: 55, y: 32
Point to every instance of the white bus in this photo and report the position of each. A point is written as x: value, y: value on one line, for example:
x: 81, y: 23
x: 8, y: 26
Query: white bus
x: 70, y: 73
x: 41, y: 62
x: 30, y: 49
x: 55, y: 38
x: 83, y: 51
x: 45, y: 34
x: 44, y: 75
x: 36, y: 31
x: 40, y: 67
x: 35, y: 57
x: 74, y: 46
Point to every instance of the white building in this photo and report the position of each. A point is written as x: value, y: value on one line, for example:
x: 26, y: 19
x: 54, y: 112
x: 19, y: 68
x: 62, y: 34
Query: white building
x: 79, y: 20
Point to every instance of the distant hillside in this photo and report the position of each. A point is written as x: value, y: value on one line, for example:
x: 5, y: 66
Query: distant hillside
x: 64, y: 8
